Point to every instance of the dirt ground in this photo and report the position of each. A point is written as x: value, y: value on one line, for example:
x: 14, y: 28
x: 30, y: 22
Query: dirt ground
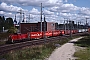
x: 65, y: 52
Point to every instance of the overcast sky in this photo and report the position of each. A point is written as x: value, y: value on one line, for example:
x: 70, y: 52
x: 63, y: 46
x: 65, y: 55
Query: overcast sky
x: 54, y: 10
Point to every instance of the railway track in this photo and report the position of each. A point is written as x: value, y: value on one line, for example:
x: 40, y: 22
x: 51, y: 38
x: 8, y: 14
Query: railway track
x: 6, y: 48
x: 9, y: 47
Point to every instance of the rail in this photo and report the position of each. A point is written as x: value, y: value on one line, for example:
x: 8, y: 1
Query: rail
x: 9, y: 47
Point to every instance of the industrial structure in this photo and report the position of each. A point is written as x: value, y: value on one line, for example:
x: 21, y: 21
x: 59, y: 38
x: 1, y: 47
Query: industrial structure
x: 35, y: 27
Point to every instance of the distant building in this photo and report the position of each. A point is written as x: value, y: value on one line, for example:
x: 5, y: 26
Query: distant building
x: 34, y: 27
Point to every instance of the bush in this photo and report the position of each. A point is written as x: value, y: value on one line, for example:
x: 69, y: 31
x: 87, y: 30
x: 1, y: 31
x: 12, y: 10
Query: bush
x: 12, y: 30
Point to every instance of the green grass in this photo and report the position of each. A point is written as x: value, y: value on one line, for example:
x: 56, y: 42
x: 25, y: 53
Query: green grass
x: 30, y: 53
x: 3, y: 36
x: 84, y: 42
x: 2, y: 42
x: 83, y: 54
x: 35, y: 53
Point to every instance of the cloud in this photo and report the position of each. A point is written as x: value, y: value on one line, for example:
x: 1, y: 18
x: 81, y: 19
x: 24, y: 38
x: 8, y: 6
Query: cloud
x: 35, y: 11
x: 11, y: 8
x: 53, y: 9
x: 64, y: 8
x: 66, y: 0
x: 70, y: 11
x: 6, y: 14
x: 46, y: 3
x: 47, y: 12
x: 70, y: 7
x: 2, y: 12
x: 85, y: 11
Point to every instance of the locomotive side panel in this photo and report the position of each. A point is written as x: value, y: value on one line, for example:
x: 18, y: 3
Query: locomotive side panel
x: 24, y: 36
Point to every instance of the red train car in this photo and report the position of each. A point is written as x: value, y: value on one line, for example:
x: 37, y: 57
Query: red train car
x: 67, y: 32
x: 56, y: 33
x: 62, y: 32
x: 35, y: 35
x: 72, y: 31
x: 75, y: 31
x: 89, y: 30
x: 48, y: 33
x: 38, y: 35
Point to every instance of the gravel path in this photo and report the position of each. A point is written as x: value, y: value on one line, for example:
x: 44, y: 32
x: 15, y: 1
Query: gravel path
x: 65, y: 52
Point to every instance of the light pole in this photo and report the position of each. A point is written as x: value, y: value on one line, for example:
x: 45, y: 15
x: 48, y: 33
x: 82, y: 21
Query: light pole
x: 70, y: 22
x: 86, y: 24
x: 64, y: 25
x: 67, y: 24
x: 44, y: 28
x: 41, y: 17
x: 29, y: 17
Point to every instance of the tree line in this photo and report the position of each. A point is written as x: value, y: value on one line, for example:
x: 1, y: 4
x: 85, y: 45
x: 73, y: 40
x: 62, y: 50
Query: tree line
x: 6, y: 23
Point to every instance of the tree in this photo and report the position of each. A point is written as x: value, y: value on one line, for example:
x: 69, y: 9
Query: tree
x: 12, y: 30
x: 2, y: 23
x: 9, y: 23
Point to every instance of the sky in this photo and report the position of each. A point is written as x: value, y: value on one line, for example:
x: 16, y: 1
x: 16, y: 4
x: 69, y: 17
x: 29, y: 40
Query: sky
x: 54, y: 10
